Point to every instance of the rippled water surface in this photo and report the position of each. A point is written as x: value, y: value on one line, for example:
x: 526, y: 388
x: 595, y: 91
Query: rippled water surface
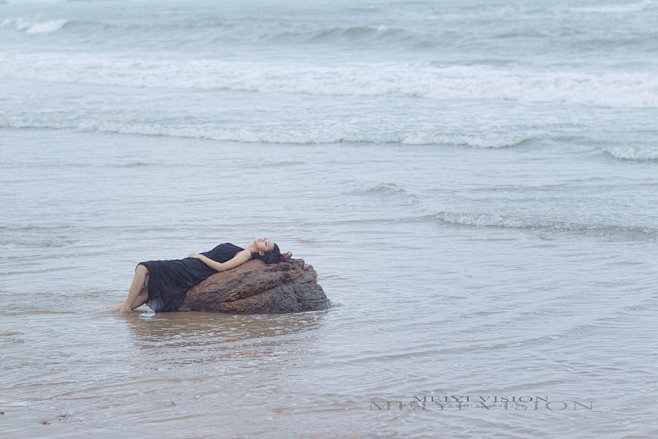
x: 475, y: 184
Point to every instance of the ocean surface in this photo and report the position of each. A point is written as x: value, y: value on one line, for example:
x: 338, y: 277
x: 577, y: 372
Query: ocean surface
x: 475, y: 182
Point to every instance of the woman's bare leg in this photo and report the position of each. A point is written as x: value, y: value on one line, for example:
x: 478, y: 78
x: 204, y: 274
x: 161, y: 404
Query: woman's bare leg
x: 115, y: 308
x: 137, y: 295
x: 135, y: 289
x: 141, y: 298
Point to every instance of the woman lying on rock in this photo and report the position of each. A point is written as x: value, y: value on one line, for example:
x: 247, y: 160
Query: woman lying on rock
x: 162, y: 285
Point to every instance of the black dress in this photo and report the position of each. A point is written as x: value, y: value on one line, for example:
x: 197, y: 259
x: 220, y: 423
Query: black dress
x: 169, y: 281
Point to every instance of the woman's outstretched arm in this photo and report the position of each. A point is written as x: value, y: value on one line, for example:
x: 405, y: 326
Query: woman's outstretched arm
x: 238, y: 259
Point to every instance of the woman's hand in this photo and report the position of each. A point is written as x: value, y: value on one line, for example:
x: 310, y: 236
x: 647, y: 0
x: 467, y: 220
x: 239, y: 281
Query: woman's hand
x: 287, y: 255
x: 194, y: 255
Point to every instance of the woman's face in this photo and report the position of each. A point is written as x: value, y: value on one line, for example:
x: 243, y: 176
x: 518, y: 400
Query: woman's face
x: 263, y: 244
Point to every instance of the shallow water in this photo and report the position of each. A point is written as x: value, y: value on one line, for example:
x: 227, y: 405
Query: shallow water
x: 475, y: 186
x: 427, y: 301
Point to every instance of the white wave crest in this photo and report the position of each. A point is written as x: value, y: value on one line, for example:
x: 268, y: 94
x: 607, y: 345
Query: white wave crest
x: 540, y: 224
x: 280, y: 135
x: 486, y: 220
x: 33, y: 26
x: 355, y: 79
x: 635, y: 153
x: 476, y: 140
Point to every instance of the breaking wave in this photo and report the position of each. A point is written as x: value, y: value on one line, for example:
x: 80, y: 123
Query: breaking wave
x: 539, y: 224
x: 280, y: 135
x: 354, y: 79
x: 32, y: 26
x: 633, y: 153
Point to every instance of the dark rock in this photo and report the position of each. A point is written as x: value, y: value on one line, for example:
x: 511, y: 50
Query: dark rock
x: 258, y: 288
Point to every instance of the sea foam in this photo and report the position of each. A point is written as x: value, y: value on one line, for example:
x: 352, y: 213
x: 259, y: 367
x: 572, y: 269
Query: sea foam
x: 634, y: 153
x: 352, y: 79
x: 32, y: 26
x: 283, y: 134
x: 541, y: 224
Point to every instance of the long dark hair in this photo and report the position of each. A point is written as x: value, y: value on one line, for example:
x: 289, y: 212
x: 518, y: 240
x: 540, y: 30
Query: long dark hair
x: 271, y: 257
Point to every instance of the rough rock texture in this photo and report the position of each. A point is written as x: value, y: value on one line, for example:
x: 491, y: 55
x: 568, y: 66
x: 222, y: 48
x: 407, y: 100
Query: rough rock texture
x: 255, y: 287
